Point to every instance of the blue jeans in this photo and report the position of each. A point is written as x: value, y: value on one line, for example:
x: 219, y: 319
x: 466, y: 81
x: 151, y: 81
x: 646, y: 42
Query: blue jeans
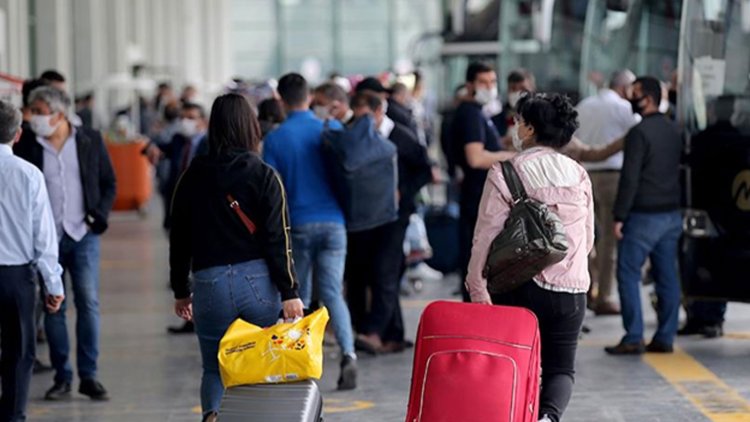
x: 80, y: 260
x: 654, y: 236
x: 320, y: 255
x: 220, y: 296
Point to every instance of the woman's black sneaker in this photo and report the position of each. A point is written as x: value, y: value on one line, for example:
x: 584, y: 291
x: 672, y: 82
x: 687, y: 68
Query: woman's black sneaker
x: 94, y: 389
x: 348, y: 377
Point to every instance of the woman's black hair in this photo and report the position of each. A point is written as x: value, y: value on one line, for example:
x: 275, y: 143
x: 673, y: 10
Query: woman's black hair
x: 233, y: 125
x: 271, y: 110
x: 552, y: 116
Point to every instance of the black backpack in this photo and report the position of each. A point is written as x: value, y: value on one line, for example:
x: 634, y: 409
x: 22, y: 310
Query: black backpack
x: 533, y: 239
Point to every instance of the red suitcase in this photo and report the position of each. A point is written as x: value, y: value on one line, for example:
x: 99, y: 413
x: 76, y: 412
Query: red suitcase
x: 475, y: 363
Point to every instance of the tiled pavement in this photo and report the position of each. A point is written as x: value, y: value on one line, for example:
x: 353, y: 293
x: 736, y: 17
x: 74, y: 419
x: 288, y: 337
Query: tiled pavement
x: 155, y: 377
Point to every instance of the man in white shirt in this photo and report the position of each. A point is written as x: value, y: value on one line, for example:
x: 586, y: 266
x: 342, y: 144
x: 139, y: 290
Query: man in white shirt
x: 28, y: 243
x: 605, y: 118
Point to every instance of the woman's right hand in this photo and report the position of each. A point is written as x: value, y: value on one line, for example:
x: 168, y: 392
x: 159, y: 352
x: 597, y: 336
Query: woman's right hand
x: 293, y: 308
x: 184, y: 308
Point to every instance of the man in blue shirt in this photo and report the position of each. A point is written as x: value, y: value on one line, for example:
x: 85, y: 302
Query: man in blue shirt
x: 28, y: 243
x: 318, y: 226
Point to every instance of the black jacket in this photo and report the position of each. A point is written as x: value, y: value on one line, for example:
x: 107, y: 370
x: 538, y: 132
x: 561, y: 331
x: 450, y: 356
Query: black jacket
x: 414, y: 168
x: 650, y: 177
x: 97, y: 174
x: 206, y: 232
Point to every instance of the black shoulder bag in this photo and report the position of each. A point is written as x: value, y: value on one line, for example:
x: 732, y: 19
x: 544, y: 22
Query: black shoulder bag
x: 533, y: 239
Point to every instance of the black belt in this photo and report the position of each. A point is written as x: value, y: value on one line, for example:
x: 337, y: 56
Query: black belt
x: 16, y: 267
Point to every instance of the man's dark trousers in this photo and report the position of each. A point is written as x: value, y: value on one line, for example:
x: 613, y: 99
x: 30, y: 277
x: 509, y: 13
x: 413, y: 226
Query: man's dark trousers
x: 17, y: 339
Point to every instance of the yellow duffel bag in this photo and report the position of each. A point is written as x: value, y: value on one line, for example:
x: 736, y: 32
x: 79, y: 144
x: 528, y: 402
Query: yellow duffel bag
x: 285, y: 352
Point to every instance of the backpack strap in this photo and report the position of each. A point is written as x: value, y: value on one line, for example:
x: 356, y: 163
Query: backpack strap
x: 513, y: 181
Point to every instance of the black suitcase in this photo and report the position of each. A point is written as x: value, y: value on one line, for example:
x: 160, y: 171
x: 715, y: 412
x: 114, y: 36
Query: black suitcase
x: 293, y: 402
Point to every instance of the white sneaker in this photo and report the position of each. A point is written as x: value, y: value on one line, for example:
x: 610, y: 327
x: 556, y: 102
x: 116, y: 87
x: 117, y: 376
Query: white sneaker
x: 545, y: 419
x: 424, y: 272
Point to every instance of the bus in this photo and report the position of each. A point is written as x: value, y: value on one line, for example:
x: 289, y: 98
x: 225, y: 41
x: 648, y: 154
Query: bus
x: 714, y: 110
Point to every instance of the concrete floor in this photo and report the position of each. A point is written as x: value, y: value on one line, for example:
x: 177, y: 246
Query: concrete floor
x: 155, y: 377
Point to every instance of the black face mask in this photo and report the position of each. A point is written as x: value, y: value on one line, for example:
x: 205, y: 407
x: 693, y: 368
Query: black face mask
x: 635, y: 103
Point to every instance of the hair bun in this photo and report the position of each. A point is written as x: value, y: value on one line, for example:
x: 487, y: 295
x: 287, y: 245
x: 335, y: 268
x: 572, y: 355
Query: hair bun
x: 566, y: 114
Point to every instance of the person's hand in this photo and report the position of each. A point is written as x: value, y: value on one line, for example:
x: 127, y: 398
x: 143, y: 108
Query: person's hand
x: 184, y: 308
x: 293, y: 308
x: 154, y: 154
x: 482, y: 301
x: 52, y: 303
x: 618, y: 230
x: 481, y: 298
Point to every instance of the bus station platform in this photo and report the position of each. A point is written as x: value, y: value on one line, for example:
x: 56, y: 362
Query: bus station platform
x: 153, y: 376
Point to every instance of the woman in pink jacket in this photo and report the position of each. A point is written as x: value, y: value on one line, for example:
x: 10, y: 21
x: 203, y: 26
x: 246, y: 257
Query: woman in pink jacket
x: 558, y: 294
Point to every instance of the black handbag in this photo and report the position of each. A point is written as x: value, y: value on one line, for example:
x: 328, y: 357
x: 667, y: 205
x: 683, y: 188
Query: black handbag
x: 533, y: 239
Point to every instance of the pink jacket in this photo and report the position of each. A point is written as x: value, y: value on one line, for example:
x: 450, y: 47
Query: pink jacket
x: 565, y: 187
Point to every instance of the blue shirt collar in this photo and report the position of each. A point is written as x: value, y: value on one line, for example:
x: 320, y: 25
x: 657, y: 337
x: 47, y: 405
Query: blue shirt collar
x: 300, y: 113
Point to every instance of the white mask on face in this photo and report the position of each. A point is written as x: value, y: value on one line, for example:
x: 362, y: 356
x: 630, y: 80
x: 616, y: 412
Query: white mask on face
x: 348, y: 116
x: 386, y: 127
x: 41, y: 125
x: 485, y: 96
x: 188, y: 127
x: 517, y: 141
x: 321, y: 112
x: 663, y: 106
x: 513, y: 98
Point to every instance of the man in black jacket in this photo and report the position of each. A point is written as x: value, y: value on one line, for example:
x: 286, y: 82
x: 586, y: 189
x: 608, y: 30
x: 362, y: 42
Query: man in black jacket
x: 648, y: 221
x: 81, y: 186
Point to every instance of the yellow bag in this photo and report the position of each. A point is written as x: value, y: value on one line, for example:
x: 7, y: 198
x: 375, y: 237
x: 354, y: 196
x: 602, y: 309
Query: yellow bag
x: 285, y: 352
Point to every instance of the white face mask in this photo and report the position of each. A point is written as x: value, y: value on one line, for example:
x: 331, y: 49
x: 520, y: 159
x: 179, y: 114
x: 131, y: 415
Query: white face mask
x: 321, y: 112
x: 188, y: 127
x: 41, y: 125
x: 386, y: 127
x: 517, y: 141
x: 663, y: 106
x: 513, y: 98
x: 485, y: 96
x: 348, y: 116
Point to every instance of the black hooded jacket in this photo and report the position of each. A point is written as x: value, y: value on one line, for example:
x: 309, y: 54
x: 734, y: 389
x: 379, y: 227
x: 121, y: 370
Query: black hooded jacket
x: 206, y: 232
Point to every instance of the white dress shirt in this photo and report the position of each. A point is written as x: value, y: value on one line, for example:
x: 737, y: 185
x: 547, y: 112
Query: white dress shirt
x: 27, y: 228
x: 605, y: 117
x: 62, y: 173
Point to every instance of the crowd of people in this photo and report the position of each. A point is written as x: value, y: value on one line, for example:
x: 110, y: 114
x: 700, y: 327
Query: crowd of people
x: 303, y: 196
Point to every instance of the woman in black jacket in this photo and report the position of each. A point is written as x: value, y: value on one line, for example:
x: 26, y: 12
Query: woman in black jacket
x: 230, y: 227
